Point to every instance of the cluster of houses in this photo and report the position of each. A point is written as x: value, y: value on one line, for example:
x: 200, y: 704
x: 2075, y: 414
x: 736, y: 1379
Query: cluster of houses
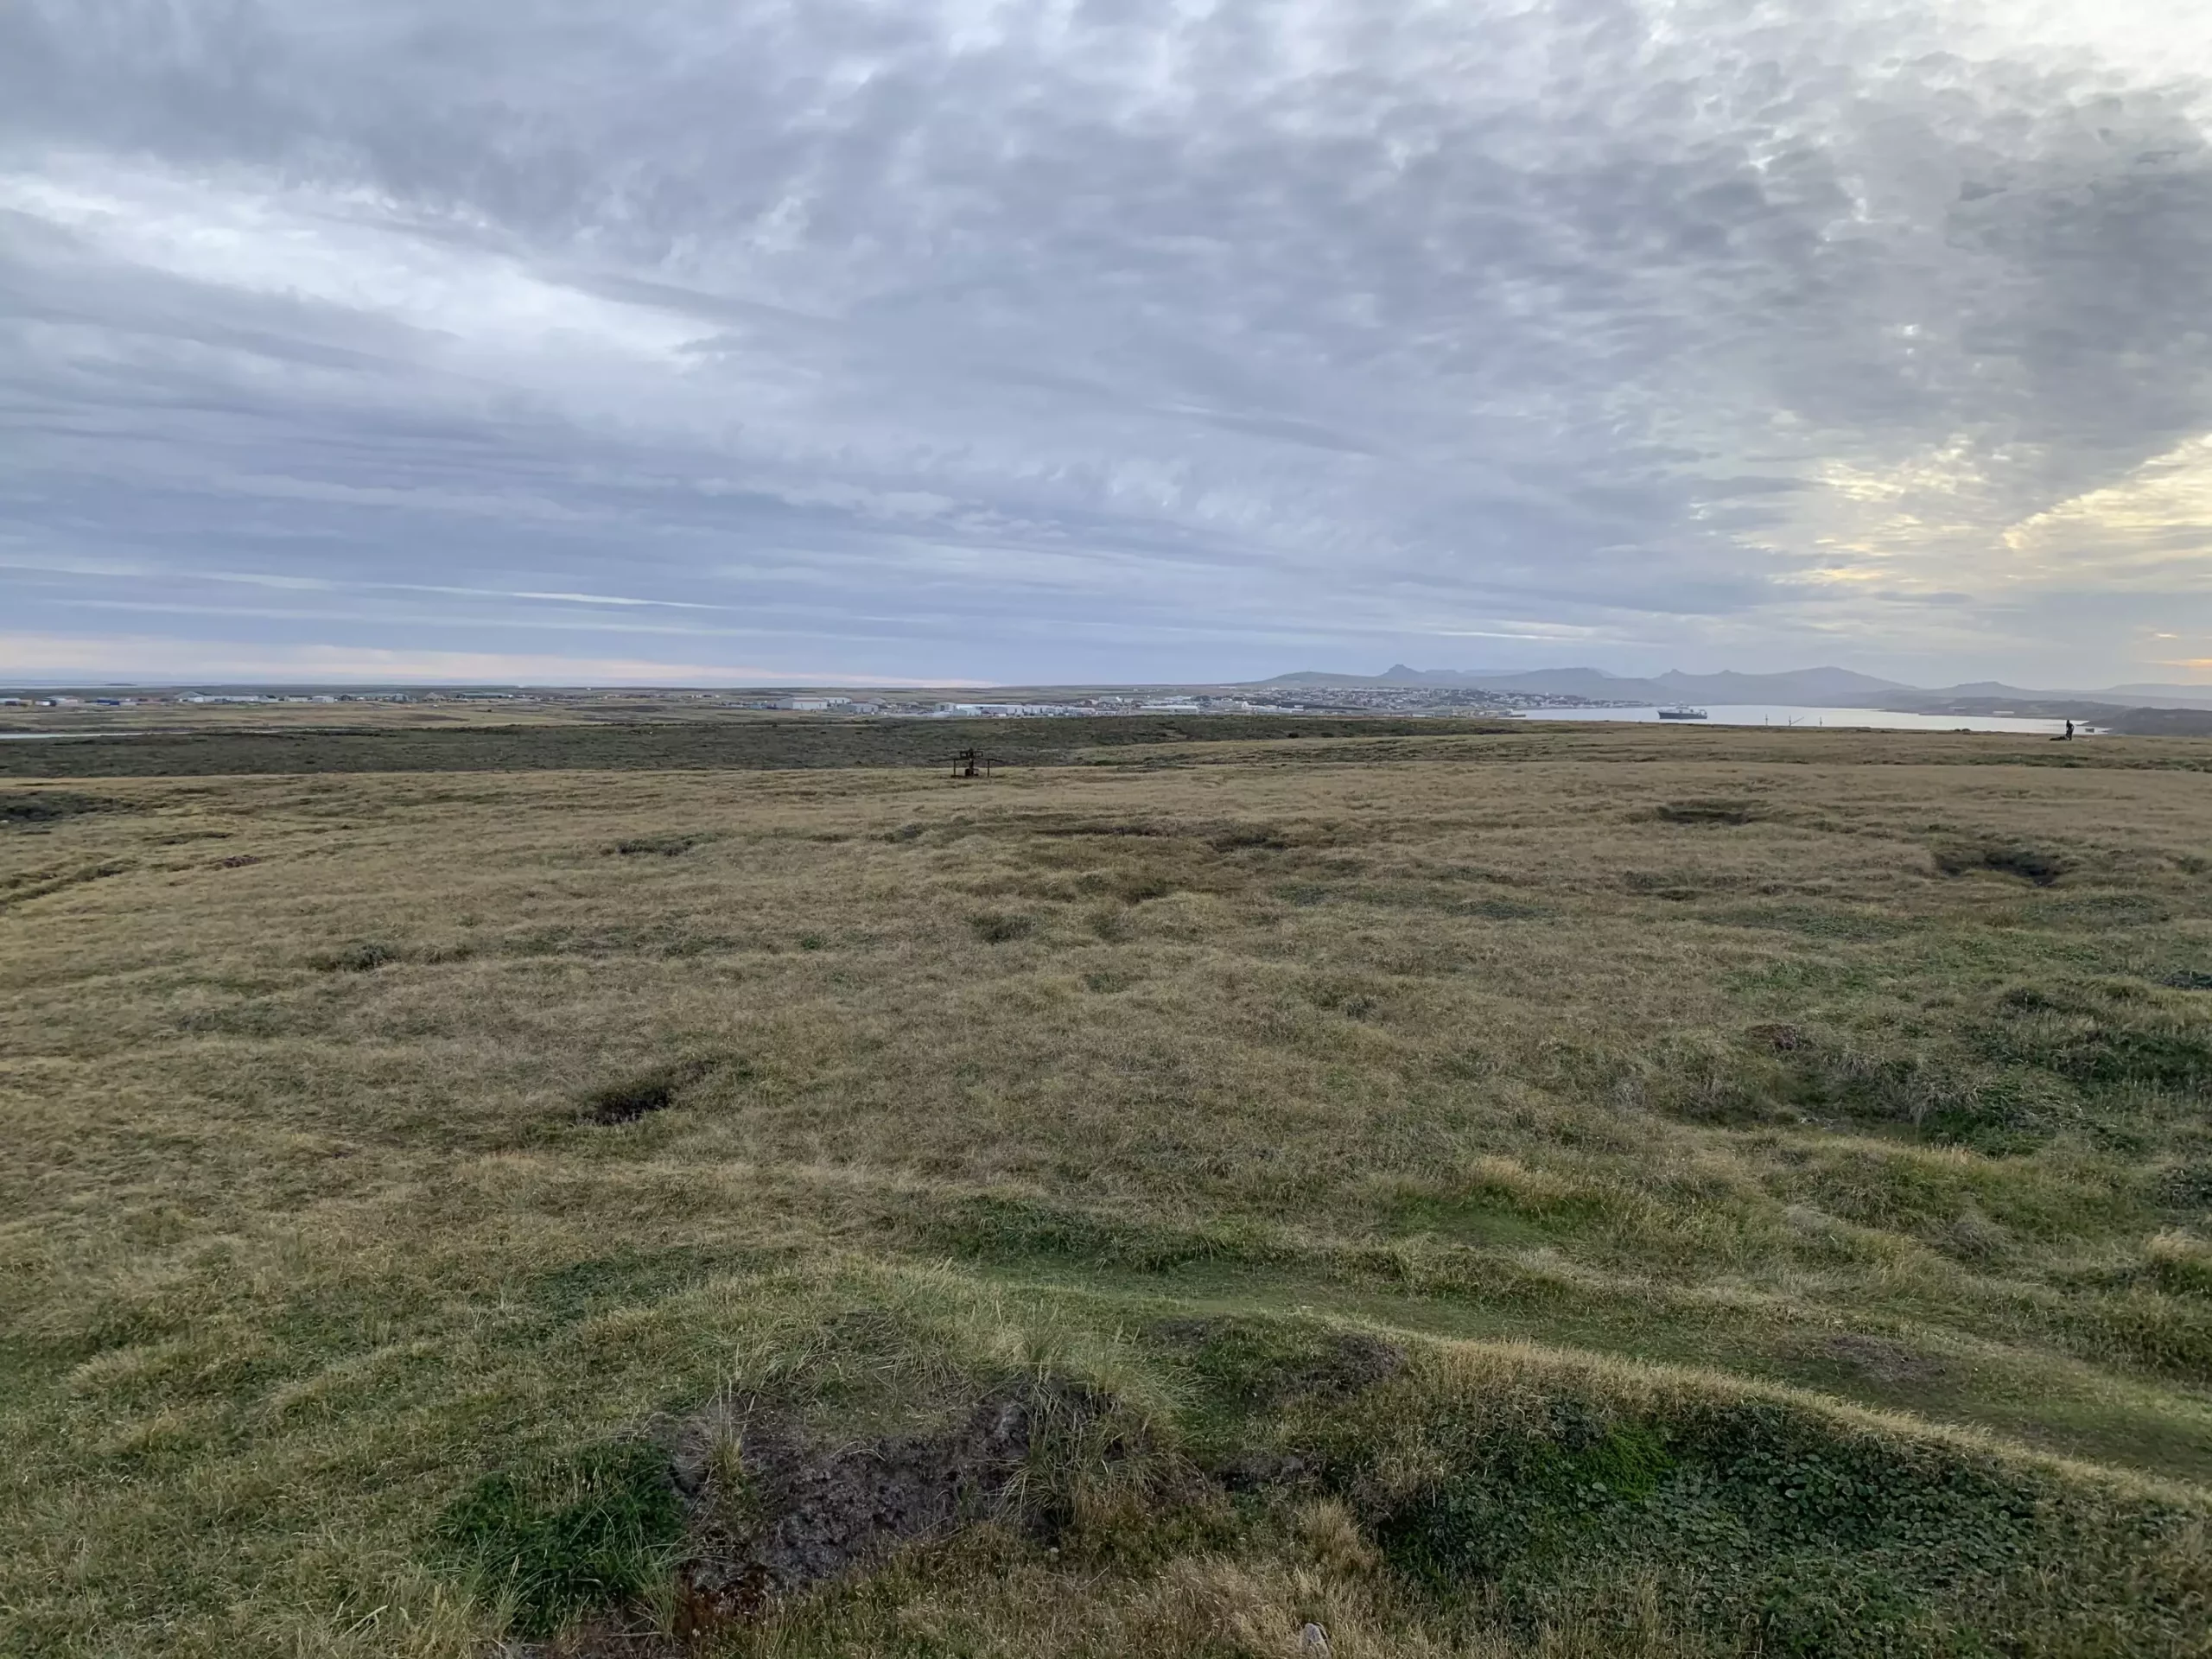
x: 72, y: 703
x: 905, y: 707
x: 1098, y: 705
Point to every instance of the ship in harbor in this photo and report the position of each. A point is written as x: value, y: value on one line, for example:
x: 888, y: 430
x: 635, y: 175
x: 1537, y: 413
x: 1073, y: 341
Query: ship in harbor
x: 1681, y: 711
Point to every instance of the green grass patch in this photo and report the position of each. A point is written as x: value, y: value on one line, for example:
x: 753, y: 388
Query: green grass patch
x: 596, y: 1529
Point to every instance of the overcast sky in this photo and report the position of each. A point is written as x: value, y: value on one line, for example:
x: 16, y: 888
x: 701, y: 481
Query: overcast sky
x: 926, y: 340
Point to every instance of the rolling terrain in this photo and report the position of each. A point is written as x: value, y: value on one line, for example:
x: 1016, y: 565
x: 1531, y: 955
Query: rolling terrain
x: 1476, y: 1191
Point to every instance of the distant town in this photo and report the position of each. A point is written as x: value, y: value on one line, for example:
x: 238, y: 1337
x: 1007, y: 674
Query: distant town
x: 1360, y: 699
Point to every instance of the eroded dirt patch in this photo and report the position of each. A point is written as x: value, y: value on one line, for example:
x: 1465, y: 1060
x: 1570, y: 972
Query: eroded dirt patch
x: 2040, y: 866
x: 632, y: 1098
x: 774, y: 1512
x: 626, y: 1102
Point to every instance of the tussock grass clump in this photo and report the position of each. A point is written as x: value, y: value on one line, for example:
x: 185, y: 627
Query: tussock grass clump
x: 2187, y: 1187
x: 2106, y: 1038
x: 2181, y: 1263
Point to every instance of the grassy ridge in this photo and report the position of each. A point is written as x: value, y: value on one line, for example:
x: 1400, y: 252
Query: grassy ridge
x: 1659, y: 1197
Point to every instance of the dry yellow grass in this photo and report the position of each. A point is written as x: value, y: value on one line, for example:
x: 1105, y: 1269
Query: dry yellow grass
x: 1860, y: 1065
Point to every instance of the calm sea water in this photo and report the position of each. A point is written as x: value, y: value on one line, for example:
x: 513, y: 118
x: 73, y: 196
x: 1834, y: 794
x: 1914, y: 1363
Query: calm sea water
x: 1759, y: 714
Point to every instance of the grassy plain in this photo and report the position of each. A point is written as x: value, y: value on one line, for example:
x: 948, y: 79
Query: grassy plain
x: 738, y: 741
x: 1561, y: 1191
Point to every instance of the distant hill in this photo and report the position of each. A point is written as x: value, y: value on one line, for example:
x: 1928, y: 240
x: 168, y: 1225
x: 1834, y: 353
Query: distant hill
x: 1995, y: 697
x: 2156, y: 696
x: 1803, y: 688
x: 1807, y: 687
x: 1803, y: 685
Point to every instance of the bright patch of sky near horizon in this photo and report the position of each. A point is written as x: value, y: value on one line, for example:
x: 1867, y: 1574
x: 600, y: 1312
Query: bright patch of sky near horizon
x: 1104, y: 339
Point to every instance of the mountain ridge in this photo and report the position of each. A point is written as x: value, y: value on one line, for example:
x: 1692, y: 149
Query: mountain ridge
x: 1822, y: 687
x: 1810, y: 685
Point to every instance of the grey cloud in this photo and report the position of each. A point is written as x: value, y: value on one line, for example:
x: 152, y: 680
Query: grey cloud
x: 1332, y: 322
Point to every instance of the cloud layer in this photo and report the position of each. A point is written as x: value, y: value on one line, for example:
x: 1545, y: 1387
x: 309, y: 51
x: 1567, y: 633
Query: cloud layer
x: 1108, y: 339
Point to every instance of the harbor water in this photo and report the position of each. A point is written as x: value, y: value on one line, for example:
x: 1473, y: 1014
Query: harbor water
x: 1759, y: 714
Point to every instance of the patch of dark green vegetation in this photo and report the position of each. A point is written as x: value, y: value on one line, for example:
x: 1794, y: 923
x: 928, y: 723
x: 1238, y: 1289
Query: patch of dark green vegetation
x: 2184, y: 1269
x: 1667, y: 884
x: 1506, y: 910
x: 1000, y: 927
x: 2186, y: 1188
x: 1998, y: 1114
x: 626, y: 1278
x: 1711, y: 811
x: 1763, y: 1528
x: 1214, y: 836
x: 1241, y: 1365
x: 1814, y: 921
x: 597, y: 1529
x: 361, y: 957
x: 2091, y: 910
x: 665, y: 846
x: 1489, y: 1219
x: 672, y: 937
x: 52, y: 805
x: 2041, y: 865
x: 996, y: 1229
x: 1794, y: 1073
x: 2103, y: 1037
x: 2107, y: 1058
x: 1409, y: 895
x: 1134, y: 828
